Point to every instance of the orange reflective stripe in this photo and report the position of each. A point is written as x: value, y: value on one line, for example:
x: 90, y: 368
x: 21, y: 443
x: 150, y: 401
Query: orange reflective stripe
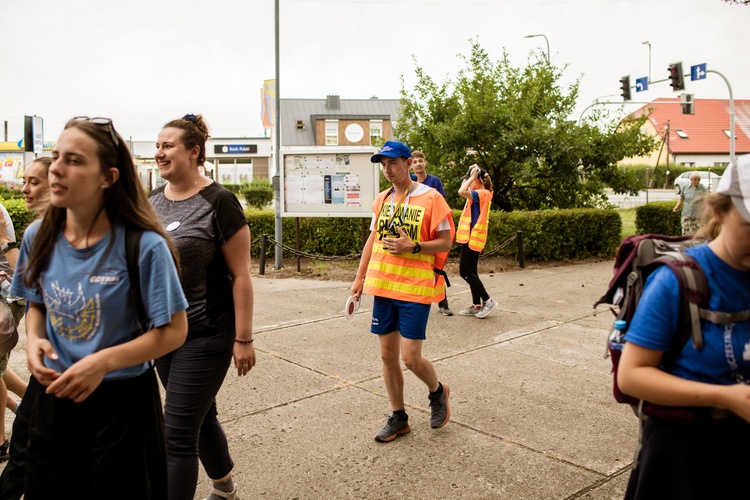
x: 408, y: 277
x: 475, y: 236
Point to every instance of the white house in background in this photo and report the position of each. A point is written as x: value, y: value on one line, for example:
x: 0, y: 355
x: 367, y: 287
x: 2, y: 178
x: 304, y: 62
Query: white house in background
x: 698, y: 140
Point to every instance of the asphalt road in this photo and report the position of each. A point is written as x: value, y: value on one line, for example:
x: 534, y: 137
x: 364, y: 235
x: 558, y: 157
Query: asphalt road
x: 627, y: 201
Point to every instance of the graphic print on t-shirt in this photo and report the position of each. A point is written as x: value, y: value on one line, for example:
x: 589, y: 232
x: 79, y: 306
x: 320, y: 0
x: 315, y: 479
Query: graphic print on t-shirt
x: 72, y: 315
x: 409, y: 219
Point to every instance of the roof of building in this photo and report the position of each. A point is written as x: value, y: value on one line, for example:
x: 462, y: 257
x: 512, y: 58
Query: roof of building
x: 703, y: 132
x: 310, y: 110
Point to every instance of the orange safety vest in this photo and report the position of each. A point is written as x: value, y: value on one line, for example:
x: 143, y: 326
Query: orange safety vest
x: 409, y: 277
x: 475, y: 236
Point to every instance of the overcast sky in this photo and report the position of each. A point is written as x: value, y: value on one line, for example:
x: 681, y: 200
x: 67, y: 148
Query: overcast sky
x: 145, y: 62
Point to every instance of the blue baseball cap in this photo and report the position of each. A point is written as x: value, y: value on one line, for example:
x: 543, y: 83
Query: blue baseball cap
x: 392, y: 149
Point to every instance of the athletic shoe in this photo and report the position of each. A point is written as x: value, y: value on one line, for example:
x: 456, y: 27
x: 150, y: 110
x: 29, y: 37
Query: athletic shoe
x: 469, y: 311
x: 445, y: 310
x: 487, y: 307
x: 441, y: 410
x: 229, y: 495
x: 393, y: 428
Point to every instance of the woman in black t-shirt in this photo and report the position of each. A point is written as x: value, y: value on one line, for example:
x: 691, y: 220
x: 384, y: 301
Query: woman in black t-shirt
x: 208, y: 226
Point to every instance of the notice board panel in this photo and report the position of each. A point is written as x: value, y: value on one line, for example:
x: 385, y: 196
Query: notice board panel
x: 328, y: 182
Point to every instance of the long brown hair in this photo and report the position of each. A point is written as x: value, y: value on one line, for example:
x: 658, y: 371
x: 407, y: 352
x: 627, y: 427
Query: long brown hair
x: 712, y: 227
x: 125, y: 201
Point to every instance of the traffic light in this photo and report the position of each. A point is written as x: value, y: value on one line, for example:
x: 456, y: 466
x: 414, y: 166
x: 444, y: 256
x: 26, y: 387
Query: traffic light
x: 688, y: 104
x: 677, y: 80
x: 625, y: 86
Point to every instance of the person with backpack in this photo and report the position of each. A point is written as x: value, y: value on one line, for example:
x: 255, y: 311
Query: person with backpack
x: 694, y: 447
x: 96, y: 429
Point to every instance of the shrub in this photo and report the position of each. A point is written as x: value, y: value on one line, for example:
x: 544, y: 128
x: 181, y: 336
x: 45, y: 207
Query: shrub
x: 20, y: 215
x: 258, y: 193
x: 548, y: 234
x: 658, y: 218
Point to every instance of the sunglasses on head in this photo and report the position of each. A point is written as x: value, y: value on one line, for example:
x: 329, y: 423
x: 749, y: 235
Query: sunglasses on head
x: 100, y: 120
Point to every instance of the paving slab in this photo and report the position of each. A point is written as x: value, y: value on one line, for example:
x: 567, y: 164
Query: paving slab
x: 532, y: 412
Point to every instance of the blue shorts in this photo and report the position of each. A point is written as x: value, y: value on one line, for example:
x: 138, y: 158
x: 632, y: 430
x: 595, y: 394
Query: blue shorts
x: 409, y: 318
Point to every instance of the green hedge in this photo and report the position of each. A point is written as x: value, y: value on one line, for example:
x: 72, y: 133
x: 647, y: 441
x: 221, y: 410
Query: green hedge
x: 19, y: 214
x: 548, y: 234
x: 658, y: 218
x: 258, y: 193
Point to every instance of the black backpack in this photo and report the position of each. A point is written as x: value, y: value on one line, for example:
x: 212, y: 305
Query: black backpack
x: 637, y: 257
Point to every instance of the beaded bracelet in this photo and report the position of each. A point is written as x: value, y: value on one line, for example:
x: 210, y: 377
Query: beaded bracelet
x: 240, y: 341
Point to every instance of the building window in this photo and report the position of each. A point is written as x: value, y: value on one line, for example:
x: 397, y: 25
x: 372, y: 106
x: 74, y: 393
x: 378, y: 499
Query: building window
x: 376, y: 130
x: 332, y: 132
x: 687, y: 163
x: 681, y: 133
x: 721, y: 164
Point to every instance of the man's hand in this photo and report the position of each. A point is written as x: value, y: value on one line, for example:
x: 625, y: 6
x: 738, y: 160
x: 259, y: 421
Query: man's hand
x: 402, y: 244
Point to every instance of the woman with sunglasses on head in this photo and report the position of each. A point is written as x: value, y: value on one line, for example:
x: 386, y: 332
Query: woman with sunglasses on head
x: 208, y: 226
x: 96, y: 428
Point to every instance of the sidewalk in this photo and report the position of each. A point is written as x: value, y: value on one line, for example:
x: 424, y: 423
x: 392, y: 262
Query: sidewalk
x: 532, y: 414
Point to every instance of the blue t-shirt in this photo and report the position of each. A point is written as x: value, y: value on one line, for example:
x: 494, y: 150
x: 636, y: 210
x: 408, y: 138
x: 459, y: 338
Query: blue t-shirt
x: 86, y: 294
x: 433, y: 182
x: 725, y: 357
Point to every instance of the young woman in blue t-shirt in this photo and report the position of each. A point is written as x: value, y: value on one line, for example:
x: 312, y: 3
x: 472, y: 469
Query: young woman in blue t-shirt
x: 705, y: 457
x: 96, y: 428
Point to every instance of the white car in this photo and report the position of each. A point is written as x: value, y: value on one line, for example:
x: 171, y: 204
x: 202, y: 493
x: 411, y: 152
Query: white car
x: 683, y: 181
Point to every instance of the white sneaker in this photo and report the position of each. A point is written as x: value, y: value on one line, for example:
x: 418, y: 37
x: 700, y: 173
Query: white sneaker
x: 487, y: 307
x: 472, y: 310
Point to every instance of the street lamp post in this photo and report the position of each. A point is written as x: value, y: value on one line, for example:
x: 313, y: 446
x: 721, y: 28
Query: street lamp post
x: 649, y: 59
x: 545, y: 39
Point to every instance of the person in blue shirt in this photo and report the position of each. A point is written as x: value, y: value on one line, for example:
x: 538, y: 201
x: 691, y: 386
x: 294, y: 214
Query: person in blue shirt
x: 96, y: 426
x: 419, y: 167
x: 703, y: 457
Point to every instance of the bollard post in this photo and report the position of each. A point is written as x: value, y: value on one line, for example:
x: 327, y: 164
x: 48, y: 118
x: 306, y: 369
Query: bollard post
x: 262, y: 269
x: 296, y: 233
x: 521, y: 261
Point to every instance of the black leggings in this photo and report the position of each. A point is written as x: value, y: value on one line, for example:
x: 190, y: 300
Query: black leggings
x: 192, y: 376
x: 468, y: 270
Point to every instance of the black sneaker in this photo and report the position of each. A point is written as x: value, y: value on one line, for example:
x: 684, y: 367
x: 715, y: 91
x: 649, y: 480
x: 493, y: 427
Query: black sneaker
x: 441, y: 410
x: 393, y: 428
x: 445, y: 310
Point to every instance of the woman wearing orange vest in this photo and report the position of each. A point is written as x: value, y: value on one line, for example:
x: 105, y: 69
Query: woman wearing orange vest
x: 472, y: 231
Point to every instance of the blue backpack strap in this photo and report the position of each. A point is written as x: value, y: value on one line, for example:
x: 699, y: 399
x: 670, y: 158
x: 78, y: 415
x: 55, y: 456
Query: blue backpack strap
x: 132, y: 254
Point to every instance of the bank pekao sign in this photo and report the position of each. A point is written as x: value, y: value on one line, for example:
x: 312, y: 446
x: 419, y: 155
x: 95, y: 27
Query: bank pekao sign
x: 234, y: 149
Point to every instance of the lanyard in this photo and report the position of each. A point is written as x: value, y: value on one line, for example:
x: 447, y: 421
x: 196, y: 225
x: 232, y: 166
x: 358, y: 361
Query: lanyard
x: 407, y: 197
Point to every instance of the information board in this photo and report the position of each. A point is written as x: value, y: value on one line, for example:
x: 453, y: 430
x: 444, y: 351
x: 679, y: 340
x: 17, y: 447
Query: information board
x: 328, y: 182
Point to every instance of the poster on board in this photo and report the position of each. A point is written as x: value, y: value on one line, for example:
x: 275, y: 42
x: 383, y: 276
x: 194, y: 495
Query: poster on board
x: 328, y: 181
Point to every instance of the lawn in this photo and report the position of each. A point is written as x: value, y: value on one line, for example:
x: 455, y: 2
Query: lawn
x: 628, y: 221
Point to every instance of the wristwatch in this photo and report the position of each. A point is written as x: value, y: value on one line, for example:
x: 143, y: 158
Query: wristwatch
x: 417, y: 248
x: 8, y: 246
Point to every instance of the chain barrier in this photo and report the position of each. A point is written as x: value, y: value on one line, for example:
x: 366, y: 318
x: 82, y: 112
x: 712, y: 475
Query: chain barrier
x: 357, y: 256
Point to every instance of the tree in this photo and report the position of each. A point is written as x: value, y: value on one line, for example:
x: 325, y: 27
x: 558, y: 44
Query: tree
x: 514, y: 123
